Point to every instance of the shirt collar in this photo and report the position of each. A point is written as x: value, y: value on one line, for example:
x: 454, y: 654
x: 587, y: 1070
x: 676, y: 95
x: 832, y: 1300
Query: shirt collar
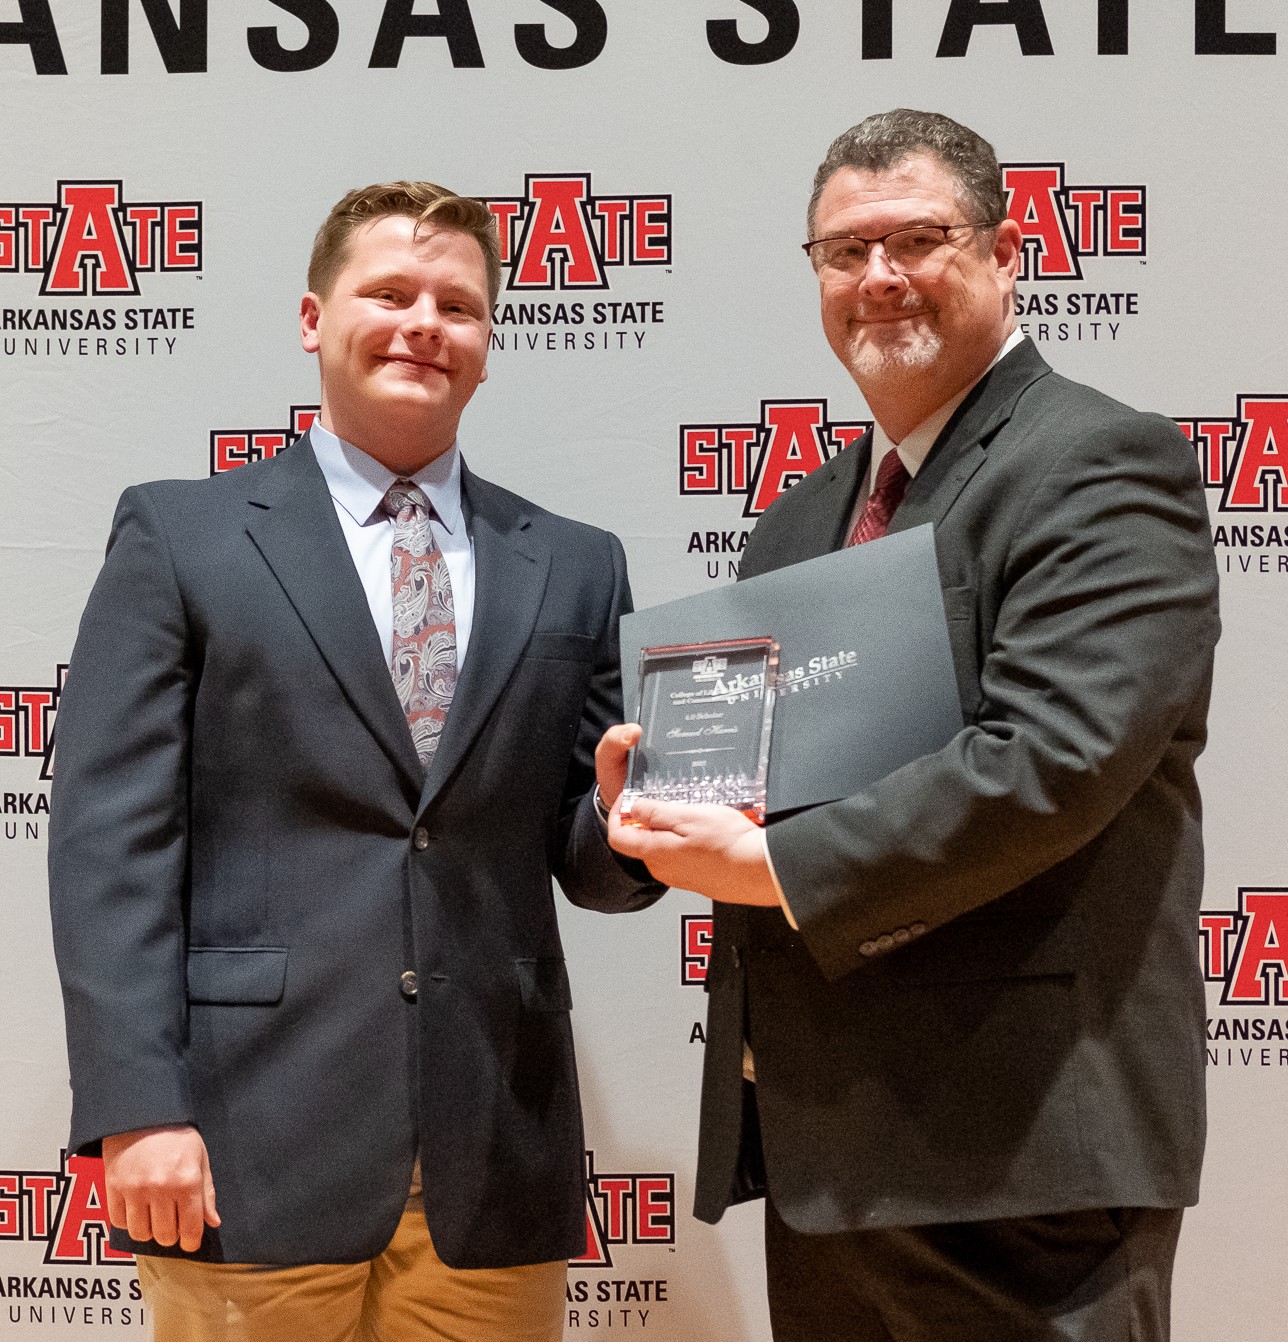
x: 358, y: 483
x: 915, y: 447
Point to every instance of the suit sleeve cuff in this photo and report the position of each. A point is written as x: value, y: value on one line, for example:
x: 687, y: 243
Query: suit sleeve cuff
x: 778, y: 889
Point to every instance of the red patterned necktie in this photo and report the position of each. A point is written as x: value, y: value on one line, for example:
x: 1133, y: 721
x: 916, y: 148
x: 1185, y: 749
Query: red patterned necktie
x: 424, y: 645
x: 887, y: 494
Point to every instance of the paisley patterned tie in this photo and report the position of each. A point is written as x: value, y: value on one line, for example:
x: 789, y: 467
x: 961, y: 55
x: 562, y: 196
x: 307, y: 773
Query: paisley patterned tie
x: 887, y: 495
x: 424, y: 643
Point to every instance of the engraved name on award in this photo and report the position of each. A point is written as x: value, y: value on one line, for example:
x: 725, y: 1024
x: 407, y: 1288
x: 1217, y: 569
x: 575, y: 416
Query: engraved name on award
x: 706, y: 710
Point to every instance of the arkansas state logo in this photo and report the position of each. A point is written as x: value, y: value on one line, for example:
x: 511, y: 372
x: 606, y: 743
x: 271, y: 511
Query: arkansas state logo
x: 27, y: 715
x: 1245, y: 949
x: 91, y: 241
x: 1246, y: 456
x: 64, y: 1209
x: 625, y: 1209
x: 762, y: 460
x: 1062, y: 223
x: 230, y: 448
x: 560, y: 235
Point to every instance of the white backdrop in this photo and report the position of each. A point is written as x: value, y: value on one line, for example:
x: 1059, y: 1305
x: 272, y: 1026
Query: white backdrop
x: 651, y: 162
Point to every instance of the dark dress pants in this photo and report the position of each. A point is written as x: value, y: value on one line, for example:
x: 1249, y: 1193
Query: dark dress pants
x: 1103, y: 1275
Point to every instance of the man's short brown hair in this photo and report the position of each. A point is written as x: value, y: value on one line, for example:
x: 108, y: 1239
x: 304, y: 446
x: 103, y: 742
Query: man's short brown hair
x: 883, y: 141
x: 430, y: 205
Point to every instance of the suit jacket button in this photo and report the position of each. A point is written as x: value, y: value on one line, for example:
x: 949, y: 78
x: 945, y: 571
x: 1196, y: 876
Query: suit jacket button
x: 868, y: 948
x: 902, y: 936
x: 420, y: 839
x: 407, y: 984
x: 885, y: 942
x: 737, y: 957
x: 917, y: 929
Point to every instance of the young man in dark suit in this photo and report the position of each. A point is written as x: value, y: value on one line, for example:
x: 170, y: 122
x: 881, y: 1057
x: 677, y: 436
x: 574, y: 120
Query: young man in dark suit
x: 328, y: 735
x: 959, y: 1016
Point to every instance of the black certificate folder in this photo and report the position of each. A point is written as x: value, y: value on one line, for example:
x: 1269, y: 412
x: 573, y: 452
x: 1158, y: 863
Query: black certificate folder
x: 865, y: 678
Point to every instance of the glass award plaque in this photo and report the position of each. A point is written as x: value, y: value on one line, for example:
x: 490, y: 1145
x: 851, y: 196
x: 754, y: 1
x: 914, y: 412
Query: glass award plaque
x: 706, y: 710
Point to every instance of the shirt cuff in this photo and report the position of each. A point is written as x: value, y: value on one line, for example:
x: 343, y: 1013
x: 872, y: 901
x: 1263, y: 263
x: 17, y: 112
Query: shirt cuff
x: 601, y: 810
x: 778, y: 889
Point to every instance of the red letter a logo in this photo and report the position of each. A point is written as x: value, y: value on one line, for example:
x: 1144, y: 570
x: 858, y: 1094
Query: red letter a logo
x: 89, y: 239
x: 1259, y: 475
x: 1260, y: 974
x: 82, y: 1217
x: 557, y: 246
x: 1035, y: 207
x: 793, y: 448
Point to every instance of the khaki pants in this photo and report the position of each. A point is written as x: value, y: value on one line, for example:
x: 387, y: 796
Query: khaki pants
x: 407, y: 1294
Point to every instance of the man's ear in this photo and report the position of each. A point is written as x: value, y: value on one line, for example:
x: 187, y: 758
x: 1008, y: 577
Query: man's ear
x: 1008, y: 248
x: 1008, y: 253
x: 310, y: 314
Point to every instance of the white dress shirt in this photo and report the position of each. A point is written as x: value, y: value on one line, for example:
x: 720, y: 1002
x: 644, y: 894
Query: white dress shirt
x: 358, y: 484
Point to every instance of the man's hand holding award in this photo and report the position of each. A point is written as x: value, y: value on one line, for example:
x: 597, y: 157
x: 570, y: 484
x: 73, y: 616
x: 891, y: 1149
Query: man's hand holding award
x: 770, y: 695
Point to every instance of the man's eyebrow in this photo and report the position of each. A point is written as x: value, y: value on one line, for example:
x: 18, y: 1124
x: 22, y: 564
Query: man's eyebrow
x: 386, y: 279
x: 917, y: 221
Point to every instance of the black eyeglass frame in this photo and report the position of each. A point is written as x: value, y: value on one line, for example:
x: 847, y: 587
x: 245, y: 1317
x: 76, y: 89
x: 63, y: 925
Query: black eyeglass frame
x: 869, y: 243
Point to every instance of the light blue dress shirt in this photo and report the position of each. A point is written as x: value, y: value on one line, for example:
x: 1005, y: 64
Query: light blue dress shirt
x: 357, y: 484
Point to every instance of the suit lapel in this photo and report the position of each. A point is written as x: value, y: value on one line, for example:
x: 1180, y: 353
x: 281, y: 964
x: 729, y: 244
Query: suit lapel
x: 292, y: 523
x: 960, y: 449
x: 836, y: 503
x: 510, y: 571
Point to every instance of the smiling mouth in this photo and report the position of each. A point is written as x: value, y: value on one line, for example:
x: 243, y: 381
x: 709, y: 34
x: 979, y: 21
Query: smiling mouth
x: 414, y: 363
x: 891, y: 317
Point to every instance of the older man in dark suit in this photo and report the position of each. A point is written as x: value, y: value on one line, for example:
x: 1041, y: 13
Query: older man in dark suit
x: 959, y: 1017
x: 327, y: 736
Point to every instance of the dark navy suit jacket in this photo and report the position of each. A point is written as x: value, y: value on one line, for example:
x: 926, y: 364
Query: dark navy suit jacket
x: 246, y: 857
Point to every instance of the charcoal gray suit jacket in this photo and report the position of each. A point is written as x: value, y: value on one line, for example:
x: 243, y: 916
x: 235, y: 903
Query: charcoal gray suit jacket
x: 993, y: 1007
x: 246, y: 859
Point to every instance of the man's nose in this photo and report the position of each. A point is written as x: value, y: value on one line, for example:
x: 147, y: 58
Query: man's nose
x: 880, y: 278
x: 422, y: 317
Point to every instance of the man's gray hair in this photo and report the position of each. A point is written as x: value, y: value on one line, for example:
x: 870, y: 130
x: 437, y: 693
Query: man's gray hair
x: 881, y: 142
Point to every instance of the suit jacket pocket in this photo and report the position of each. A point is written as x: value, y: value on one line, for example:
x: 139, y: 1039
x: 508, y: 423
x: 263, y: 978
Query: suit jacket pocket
x: 237, y: 975
x: 544, y: 983
x: 561, y: 647
x: 959, y: 607
x: 980, y: 947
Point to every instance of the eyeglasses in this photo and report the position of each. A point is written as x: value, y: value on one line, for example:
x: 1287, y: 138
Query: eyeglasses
x: 907, y: 250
